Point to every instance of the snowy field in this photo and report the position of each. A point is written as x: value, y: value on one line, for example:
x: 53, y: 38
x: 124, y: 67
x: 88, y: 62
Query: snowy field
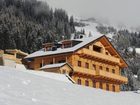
x: 90, y: 28
x: 137, y: 50
x: 18, y: 87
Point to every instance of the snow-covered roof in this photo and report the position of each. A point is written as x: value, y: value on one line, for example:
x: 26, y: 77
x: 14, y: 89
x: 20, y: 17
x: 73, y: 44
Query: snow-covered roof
x: 84, y: 42
x: 18, y: 87
x: 53, y: 65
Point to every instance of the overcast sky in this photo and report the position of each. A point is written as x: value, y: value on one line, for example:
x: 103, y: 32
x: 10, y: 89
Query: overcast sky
x: 116, y: 11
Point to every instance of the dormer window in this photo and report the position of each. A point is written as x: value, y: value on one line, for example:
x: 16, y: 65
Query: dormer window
x: 97, y: 48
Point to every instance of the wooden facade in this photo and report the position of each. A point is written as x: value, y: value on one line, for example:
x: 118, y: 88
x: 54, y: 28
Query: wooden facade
x: 61, y: 68
x: 11, y: 57
x: 96, y: 64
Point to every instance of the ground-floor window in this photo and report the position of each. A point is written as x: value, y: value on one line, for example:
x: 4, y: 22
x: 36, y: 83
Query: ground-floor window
x: 94, y: 84
x: 41, y: 65
x: 79, y: 81
x: 101, y: 85
x: 107, y: 87
x: 113, y: 88
x: 86, y: 82
x: 79, y: 63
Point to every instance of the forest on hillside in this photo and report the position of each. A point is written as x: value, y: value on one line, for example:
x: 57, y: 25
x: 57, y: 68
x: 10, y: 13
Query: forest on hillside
x: 27, y: 24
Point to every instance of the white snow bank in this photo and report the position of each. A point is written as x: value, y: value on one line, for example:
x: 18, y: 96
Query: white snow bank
x: 55, y: 76
x: 24, y: 88
x: 20, y: 66
x: 137, y: 50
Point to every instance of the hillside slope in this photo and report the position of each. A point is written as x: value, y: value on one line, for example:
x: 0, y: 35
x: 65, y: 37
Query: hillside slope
x: 90, y: 27
x: 18, y: 87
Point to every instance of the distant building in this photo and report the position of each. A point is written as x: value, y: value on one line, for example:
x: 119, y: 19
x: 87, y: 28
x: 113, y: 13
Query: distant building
x: 12, y: 57
x: 91, y: 61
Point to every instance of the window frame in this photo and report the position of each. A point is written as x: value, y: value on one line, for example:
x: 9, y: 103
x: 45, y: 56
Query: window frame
x: 107, y: 69
x: 113, y: 88
x: 97, y: 48
x: 79, y: 64
x: 113, y: 71
x: 79, y: 81
x: 100, y: 67
x: 86, y: 83
x: 107, y: 87
x: 87, y: 65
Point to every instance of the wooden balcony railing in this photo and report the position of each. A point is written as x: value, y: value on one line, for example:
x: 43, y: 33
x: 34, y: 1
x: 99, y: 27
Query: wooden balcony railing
x: 109, y: 75
x: 88, y: 53
x: 100, y: 74
x: 84, y: 71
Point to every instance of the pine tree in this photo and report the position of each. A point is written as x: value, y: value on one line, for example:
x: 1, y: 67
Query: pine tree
x: 138, y: 74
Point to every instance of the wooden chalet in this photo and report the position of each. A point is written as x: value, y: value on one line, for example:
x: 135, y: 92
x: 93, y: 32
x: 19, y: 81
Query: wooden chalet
x: 91, y: 61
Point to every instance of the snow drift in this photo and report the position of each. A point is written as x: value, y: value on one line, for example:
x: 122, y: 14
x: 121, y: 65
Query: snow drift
x: 18, y: 87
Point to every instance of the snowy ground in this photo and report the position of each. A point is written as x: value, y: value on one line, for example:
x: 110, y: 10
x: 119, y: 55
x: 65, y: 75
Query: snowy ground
x: 90, y: 27
x: 25, y: 88
x: 137, y: 50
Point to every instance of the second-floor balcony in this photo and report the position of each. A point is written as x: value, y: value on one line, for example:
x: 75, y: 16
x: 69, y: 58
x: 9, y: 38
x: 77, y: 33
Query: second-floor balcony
x: 99, y: 56
x: 84, y: 71
x: 111, y: 76
x: 100, y: 74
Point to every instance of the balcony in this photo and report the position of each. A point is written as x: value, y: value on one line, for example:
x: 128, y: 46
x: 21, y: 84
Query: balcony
x: 111, y: 76
x: 100, y: 74
x: 99, y: 56
x: 84, y: 71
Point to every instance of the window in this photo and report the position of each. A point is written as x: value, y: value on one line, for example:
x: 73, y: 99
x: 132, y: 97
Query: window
x: 113, y: 88
x: 94, y: 84
x: 79, y: 63
x: 41, y: 65
x: 94, y: 67
x: 97, y: 48
x: 101, y: 85
x: 113, y: 71
x: 100, y: 67
x: 87, y: 65
x: 107, y: 87
x: 86, y: 82
x: 107, y: 69
x: 79, y: 81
